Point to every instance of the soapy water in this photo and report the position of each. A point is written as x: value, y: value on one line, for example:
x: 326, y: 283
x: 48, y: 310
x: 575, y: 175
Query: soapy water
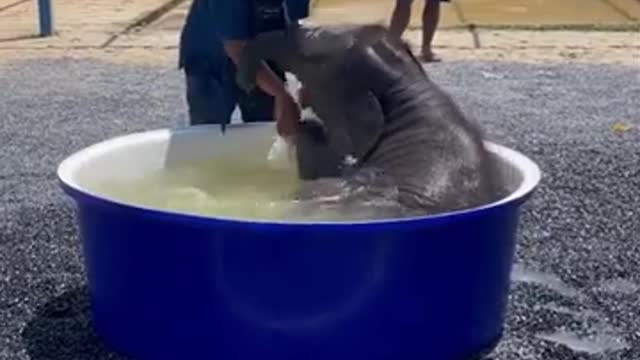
x: 223, y: 187
x: 244, y: 187
x: 262, y: 186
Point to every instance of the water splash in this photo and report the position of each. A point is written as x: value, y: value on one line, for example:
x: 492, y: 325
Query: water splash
x: 619, y: 286
x: 592, y: 345
x: 520, y: 274
x: 594, y: 339
x: 582, y: 315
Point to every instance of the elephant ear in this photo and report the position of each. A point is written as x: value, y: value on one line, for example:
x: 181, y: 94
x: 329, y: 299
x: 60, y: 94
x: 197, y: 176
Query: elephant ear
x: 320, y: 42
x: 284, y: 46
x: 365, y: 123
x: 366, y: 35
x: 274, y: 45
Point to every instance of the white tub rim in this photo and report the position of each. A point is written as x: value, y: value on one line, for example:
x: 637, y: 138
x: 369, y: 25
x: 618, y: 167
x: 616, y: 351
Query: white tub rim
x: 530, y: 171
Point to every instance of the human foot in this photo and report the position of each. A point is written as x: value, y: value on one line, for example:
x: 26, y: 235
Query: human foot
x: 429, y: 56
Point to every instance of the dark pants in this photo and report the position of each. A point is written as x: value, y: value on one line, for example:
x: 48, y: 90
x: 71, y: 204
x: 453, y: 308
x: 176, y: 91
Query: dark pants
x: 212, y: 94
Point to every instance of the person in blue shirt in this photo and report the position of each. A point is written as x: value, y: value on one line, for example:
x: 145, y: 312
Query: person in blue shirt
x: 210, y: 43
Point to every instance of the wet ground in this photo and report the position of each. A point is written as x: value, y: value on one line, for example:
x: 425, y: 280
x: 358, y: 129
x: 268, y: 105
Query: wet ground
x: 577, y: 278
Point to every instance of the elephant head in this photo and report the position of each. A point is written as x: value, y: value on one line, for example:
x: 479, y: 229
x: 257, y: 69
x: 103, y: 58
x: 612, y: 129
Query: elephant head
x: 296, y: 49
x: 341, y: 75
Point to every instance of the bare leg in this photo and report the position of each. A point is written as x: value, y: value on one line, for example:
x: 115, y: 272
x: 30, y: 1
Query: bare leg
x: 400, y: 17
x: 430, y: 19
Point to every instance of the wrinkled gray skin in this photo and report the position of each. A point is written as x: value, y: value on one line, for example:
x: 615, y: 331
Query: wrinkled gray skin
x: 315, y: 159
x: 413, y: 145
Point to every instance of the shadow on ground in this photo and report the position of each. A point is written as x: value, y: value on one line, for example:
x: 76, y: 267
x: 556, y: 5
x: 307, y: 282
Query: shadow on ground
x: 62, y: 324
x: 61, y: 330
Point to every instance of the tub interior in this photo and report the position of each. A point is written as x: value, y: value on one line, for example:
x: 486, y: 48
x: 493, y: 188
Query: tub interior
x: 132, y: 157
x: 129, y: 158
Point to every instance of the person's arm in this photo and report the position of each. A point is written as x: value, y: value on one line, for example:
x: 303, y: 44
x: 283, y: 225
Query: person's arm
x: 266, y: 79
x: 287, y: 112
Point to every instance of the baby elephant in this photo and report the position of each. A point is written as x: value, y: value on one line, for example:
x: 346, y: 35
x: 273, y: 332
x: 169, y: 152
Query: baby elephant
x: 388, y: 132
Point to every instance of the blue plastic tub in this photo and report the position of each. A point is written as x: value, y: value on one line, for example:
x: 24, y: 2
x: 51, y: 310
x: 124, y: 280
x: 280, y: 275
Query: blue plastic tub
x: 168, y: 285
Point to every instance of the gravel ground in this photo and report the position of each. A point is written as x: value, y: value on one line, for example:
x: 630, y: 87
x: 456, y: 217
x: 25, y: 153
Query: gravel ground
x: 578, y: 271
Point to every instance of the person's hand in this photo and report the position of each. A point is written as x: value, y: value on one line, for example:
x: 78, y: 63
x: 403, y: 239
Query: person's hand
x: 287, y: 115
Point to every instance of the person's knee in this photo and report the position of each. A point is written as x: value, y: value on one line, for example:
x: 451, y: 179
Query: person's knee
x: 207, y: 101
x: 257, y: 107
x: 200, y: 104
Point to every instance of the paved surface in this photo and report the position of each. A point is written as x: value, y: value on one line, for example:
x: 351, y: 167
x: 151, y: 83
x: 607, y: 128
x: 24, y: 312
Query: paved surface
x: 96, y: 29
x: 490, y: 12
x: 96, y: 23
x: 579, y: 251
x: 88, y: 23
x: 492, y: 44
x: 339, y: 11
